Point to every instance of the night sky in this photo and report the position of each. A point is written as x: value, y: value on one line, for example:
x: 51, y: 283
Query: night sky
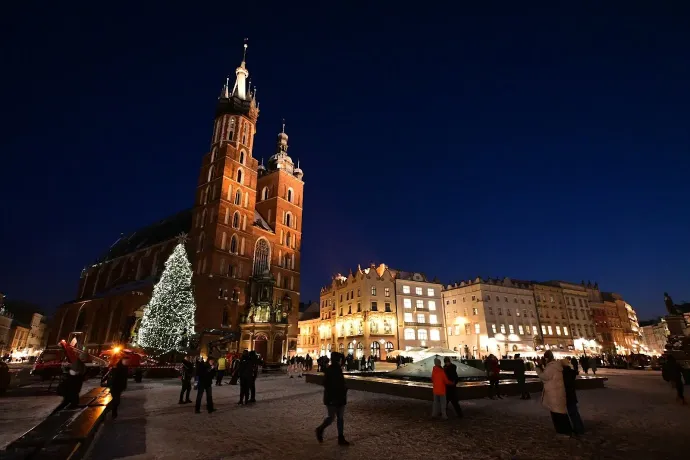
x: 536, y: 144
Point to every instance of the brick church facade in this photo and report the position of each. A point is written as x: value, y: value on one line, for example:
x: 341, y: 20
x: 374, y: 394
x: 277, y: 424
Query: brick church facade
x: 244, y: 243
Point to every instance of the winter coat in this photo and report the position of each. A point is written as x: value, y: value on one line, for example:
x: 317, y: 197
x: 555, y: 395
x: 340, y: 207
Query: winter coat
x: 187, y: 371
x: 222, y: 362
x: 519, y: 371
x: 451, y: 371
x: 439, y: 381
x: 569, y: 376
x: 334, y: 389
x: 246, y: 369
x: 118, y: 378
x: 553, y: 395
x: 205, y: 374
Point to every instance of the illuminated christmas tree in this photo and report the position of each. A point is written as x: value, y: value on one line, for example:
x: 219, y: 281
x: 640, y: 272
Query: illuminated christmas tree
x: 168, y: 319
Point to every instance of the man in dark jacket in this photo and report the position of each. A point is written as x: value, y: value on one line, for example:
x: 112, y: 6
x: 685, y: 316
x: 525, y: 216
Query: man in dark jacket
x: 187, y: 374
x: 205, y: 371
x: 118, y: 384
x: 334, y: 397
x: 254, y: 362
x: 519, y: 374
x: 244, y: 372
x: 451, y: 371
x: 569, y: 376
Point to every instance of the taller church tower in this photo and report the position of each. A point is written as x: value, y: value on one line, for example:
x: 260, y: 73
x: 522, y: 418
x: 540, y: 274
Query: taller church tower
x: 246, y: 231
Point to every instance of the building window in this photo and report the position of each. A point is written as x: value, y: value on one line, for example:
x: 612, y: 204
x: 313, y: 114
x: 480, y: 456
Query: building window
x: 264, y: 193
x: 550, y: 330
x: 468, y: 329
x: 241, y: 156
x: 508, y: 312
x: 430, y: 292
x: 475, y: 311
x: 493, y: 328
x: 359, y: 307
x: 565, y: 330
x: 387, y: 292
x: 239, y: 176
x: 406, y: 289
x: 543, y: 329
x: 473, y: 298
x: 517, y: 312
x: 288, y: 219
x: 435, y: 335
x: 388, y: 307
x: 457, y: 329
x: 558, y: 330
x: 359, y: 292
x: 447, y: 302
x: 374, y: 306
x: 236, y: 220
x: 408, y: 317
x: 432, y: 305
x: 407, y: 303
x: 433, y: 319
x: 477, y: 328
x: 450, y: 330
x: 341, y: 311
x: 238, y: 198
x: 511, y: 329
x: 409, y: 334
x: 419, y: 303
x: 422, y: 334
x: 535, y: 330
x: 262, y: 256
x: 349, y: 309
x: 521, y: 330
x: 503, y: 328
x: 491, y: 310
x: 289, y: 195
x: 500, y: 310
x: 233, y: 244
x: 373, y: 290
x: 420, y: 318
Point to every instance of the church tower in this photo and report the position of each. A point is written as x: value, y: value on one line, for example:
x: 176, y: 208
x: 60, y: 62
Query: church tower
x: 246, y: 233
x: 221, y: 240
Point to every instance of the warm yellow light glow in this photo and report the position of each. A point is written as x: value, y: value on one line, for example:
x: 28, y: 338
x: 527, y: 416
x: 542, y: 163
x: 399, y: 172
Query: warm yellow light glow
x: 117, y: 349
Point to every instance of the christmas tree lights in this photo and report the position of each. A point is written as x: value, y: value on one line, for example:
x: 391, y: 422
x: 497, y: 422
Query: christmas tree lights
x: 168, y: 319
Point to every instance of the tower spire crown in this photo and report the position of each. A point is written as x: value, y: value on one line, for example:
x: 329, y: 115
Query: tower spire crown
x: 240, y: 88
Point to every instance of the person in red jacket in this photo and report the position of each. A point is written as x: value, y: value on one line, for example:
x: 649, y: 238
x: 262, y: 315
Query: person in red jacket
x: 439, y: 381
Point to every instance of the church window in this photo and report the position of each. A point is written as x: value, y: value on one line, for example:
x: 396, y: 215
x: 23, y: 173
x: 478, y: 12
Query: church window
x: 223, y: 241
x: 288, y: 219
x: 203, y: 218
x: 262, y: 254
x: 242, y: 156
x: 233, y: 244
x: 213, y: 154
x: 231, y: 129
x: 289, y: 195
x: 244, y: 135
x: 227, y: 215
x: 236, y: 220
x: 200, y: 246
x: 264, y: 193
x: 239, y: 176
x: 238, y: 197
x: 288, y: 240
x: 210, y: 174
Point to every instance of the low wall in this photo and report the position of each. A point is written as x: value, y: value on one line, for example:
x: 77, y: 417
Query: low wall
x: 466, y: 390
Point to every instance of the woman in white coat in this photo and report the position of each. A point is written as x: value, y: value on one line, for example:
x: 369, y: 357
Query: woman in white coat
x: 553, y: 395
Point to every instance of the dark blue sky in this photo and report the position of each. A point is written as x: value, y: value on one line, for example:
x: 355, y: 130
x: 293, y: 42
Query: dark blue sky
x: 537, y: 144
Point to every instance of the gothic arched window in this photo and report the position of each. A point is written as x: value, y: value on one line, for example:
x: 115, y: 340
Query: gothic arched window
x: 262, y: 256
x: 210, y: 174
x: 242, y: 157
x: 264, y: 193
x: 238, y: 198
x: 231, y: 129
x: 233, y: 244
x: 239, y: 176
x: 236, y: 220
x: 200, y: 247
x: 288, y: 219
x: 288, y: 240
x: 203, y: 218
x: 289, y: 195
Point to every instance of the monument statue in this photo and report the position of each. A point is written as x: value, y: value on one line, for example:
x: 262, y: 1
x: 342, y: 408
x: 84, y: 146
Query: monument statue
x: 672, y: 309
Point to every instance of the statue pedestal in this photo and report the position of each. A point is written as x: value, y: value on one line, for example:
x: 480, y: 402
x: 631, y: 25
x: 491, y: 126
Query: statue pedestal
x: 676, y: 325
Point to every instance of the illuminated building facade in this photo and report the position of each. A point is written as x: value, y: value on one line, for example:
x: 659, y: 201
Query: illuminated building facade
x: 421, y: 319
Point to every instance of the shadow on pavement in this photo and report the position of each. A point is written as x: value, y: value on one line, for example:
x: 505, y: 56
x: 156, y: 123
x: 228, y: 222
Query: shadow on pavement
x: 115, y: 437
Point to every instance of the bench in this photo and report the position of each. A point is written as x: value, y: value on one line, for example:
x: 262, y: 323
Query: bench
x: 64, y: 434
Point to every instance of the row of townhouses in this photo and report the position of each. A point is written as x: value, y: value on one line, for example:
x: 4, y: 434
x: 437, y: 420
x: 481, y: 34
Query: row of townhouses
x: 376, y: 310
x: 22, y: 335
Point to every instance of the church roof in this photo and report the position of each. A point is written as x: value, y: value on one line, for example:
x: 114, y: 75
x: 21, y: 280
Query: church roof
x: 163, y: 230
x: 260, y: 222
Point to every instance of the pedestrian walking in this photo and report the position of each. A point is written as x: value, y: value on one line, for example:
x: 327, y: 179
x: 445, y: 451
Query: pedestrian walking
x: 334, y: 398
x: 245, y: 375
x: 519, y: 374
x: 222, y: 363
x: 550, y: 372
x: 205, y: 374
x: 493, y: 371
x: 584, y: 363
x: 593, y: 364
x: 70, y: 386
x: 186, y: 377
x: 118, y: 384
x: 576, y: 367
x: 569, y: 377
x: 439, y: 382
x: 451, y: 371
x: 673, y: 372
x: 254, y: 361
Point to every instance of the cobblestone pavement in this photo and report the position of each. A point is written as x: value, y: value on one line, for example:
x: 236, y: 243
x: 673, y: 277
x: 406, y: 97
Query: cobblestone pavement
x: 634, y: 417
